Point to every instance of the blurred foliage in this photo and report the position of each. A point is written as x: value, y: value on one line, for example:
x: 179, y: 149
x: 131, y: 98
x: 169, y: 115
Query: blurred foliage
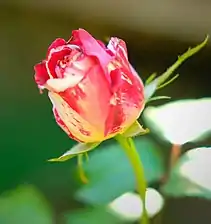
x: 92, y: 215
x: 190, y: 176
x: 110, y: 173
x: 24, y: 205
x: 129, y: 206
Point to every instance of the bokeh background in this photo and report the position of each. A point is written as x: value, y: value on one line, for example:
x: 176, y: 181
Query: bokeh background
x: 156, y: 32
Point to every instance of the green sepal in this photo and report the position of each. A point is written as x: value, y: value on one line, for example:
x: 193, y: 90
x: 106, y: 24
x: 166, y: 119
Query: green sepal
x: 168, y: 82
x: 159, y: 98
x: 75, y: 150
x: 134, y: 130
x: 151, y: 78
x: 150, y: 89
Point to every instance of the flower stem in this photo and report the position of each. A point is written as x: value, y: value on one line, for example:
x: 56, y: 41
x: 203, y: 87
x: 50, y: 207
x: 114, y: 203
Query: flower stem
x: 175, y: 153
x: 81, y: 170
x: 130, y: 149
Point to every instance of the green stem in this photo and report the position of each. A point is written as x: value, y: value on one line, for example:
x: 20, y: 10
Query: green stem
x: 130, y: 149
x: 81, y: 170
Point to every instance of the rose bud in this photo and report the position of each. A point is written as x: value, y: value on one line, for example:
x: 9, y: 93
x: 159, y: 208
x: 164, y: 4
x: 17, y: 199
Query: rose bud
x: 94, y: 90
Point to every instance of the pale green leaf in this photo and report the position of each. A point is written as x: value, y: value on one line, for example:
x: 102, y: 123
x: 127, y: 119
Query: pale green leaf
x: 76, y: 150
x: 180, y: 121
x: 191, y: 175
x: 129, y: 206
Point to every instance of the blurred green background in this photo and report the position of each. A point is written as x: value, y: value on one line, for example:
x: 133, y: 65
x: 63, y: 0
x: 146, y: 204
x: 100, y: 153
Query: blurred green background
x: 155, y: 36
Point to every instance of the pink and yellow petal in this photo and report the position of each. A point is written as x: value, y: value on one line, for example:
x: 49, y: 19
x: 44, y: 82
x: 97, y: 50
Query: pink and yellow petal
x: 90, y: 97
x: 64, y: 127
x: 77, y: 126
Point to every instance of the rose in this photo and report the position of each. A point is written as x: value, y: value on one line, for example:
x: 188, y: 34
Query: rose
x: 94, y: 90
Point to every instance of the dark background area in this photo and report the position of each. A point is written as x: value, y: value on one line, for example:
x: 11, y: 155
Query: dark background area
x: 29, y: 135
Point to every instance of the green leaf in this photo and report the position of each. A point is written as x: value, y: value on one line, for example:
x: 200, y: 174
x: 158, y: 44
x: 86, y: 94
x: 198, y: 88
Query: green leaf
x: 76, y: 150
x: 134, y: 130
x: 110, y: 173
x: 24, y: 205
x: 180, y: 121
x: 161, y: 81
x: 93, y: 216
x: 191, y: 175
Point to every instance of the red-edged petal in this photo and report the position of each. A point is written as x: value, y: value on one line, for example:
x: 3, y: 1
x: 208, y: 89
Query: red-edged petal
x: 64, y: 127
x: 57, y: 43
x: 41, y: 75
x: 119, y: 49
x: 75, y: 39
x: 90, y: 98
x: 54, y: 56
x: 90, y: 46
x: 105, y: 48
x: 101, y: 44
x: 127, y: 101
x: 72, y: 72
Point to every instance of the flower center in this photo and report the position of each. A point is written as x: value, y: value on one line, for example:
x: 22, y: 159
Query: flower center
x: 67, y: 62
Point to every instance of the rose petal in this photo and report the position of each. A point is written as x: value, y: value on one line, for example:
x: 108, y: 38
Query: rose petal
x: 118, y: 46
x: 41, y: 75
x: 61, y: 84
x: 57, y: 43
x: 119, y: 49
x: 127, y: 101
x: 75, y: 124
x: 74, y: 39
x: 105, y: 48
x: 64, y: 127
x: 134, y: 71
x: 91, y: 46
x: 72, y: 74
x: 79, y: 67
x: 54, y: 56
x: 90, y: 97
x: 101, y: 44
